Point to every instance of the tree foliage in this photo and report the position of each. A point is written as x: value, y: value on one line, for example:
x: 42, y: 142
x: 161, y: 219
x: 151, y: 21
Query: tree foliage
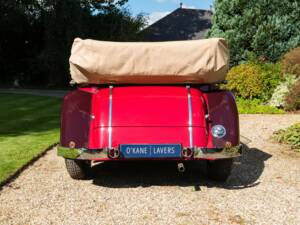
x: 36, y: 35
x: 268, y: 28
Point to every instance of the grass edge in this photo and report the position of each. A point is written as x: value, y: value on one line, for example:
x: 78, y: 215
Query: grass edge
x: 18, y: 172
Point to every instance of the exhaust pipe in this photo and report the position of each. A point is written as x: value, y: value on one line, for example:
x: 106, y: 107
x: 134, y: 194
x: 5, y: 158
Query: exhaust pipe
x: 180, y: 167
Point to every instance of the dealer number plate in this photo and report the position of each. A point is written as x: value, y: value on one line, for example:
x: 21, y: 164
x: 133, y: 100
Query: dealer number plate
x: 151, y: 151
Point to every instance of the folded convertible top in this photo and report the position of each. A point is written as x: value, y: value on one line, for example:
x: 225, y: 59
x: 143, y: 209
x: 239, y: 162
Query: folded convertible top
x: 175, y: 62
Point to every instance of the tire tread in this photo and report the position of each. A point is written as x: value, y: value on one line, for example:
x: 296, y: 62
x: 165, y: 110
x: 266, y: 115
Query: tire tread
x: 77, y: 169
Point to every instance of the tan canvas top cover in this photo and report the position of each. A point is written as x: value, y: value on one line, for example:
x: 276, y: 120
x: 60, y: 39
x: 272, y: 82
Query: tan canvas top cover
x: 103, y: 62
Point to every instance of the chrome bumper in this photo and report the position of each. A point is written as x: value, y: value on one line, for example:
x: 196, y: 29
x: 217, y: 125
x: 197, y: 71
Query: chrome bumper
x: 102, y: 154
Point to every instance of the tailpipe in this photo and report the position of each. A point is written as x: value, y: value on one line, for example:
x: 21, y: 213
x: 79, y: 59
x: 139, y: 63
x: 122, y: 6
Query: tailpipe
x: 180, y: 167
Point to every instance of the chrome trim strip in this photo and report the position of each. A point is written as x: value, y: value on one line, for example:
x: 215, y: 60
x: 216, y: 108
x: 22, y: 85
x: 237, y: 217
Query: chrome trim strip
x: 110, y: 118
x: 190, y: 116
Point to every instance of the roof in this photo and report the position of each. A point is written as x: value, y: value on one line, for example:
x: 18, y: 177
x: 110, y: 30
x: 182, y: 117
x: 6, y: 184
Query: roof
x: 181, y: 24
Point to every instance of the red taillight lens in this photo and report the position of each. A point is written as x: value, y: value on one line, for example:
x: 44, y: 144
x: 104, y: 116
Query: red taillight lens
x: 187, y: 152
x: 113, y: 153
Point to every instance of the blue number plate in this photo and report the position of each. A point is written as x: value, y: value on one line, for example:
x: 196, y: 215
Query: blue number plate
x: 151, y: 151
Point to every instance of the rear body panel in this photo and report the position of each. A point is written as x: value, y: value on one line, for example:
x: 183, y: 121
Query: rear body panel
x: 147, y: 115
x: 151, y: 115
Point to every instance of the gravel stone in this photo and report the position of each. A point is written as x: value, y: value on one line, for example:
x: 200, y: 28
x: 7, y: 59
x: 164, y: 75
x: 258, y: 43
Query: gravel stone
x: 264, y: 188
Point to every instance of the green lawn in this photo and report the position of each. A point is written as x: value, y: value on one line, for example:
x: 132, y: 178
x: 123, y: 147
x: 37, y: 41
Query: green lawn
x: 28, y: 125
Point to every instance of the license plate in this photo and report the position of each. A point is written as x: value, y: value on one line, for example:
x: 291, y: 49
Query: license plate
x: 150, y: 151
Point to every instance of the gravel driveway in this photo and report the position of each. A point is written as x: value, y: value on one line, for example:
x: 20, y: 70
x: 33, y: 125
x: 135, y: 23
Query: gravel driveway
x: 264, y: 188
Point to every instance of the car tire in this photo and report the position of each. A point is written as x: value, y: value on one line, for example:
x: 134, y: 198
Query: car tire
x: 220, y: 169
x: 78, y: 169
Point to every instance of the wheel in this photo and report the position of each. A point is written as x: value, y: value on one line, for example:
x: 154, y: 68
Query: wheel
x: 78, y: 169
x: 219, y: 169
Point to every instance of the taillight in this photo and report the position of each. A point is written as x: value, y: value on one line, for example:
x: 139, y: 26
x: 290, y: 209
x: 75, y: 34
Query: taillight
x: 187, y: 152
x: 113, y: 153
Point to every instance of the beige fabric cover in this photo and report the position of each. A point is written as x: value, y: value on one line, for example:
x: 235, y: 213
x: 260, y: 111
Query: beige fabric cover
x: 102, y: 62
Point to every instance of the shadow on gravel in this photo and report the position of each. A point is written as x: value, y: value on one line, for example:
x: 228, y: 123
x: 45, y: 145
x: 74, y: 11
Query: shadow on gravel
x: 246, y: 171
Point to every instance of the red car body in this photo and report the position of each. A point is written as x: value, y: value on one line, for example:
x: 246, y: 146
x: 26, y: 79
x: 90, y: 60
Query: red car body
x: 96, y: 120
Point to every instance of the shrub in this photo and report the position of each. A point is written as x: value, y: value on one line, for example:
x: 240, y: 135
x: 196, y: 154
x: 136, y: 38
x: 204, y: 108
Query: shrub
x: 290, y: 136
x: 255, y: 106
x: 245, y: 80
x: 254, y: 80
x: 291, y: 62
x: 292, y: 100
x: 281, y: 91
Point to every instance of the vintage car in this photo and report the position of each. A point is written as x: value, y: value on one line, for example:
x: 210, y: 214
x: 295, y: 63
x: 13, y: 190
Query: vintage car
x: 149, y: 101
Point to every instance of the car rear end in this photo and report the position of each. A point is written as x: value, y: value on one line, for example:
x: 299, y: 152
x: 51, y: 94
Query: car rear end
x: 149, y: 122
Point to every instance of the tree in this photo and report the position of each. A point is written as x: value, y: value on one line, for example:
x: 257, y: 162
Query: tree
x: 68, y: 19
x: 19, y: 29
x: 37, y: 35
x: 268, y: 28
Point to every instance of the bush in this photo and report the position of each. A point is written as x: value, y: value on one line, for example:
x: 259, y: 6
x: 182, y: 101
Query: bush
x: 281, y: 91
x: 254, y: 80
x: 255, y: 106
x: 245, y: 80
x: 290, y: 136
x: 291, y: 62
x: 292, y: 100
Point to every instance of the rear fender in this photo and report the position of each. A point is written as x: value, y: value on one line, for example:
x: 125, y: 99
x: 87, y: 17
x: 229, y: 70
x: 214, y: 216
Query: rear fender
x: 222, y: 109
x: 76, y: 118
